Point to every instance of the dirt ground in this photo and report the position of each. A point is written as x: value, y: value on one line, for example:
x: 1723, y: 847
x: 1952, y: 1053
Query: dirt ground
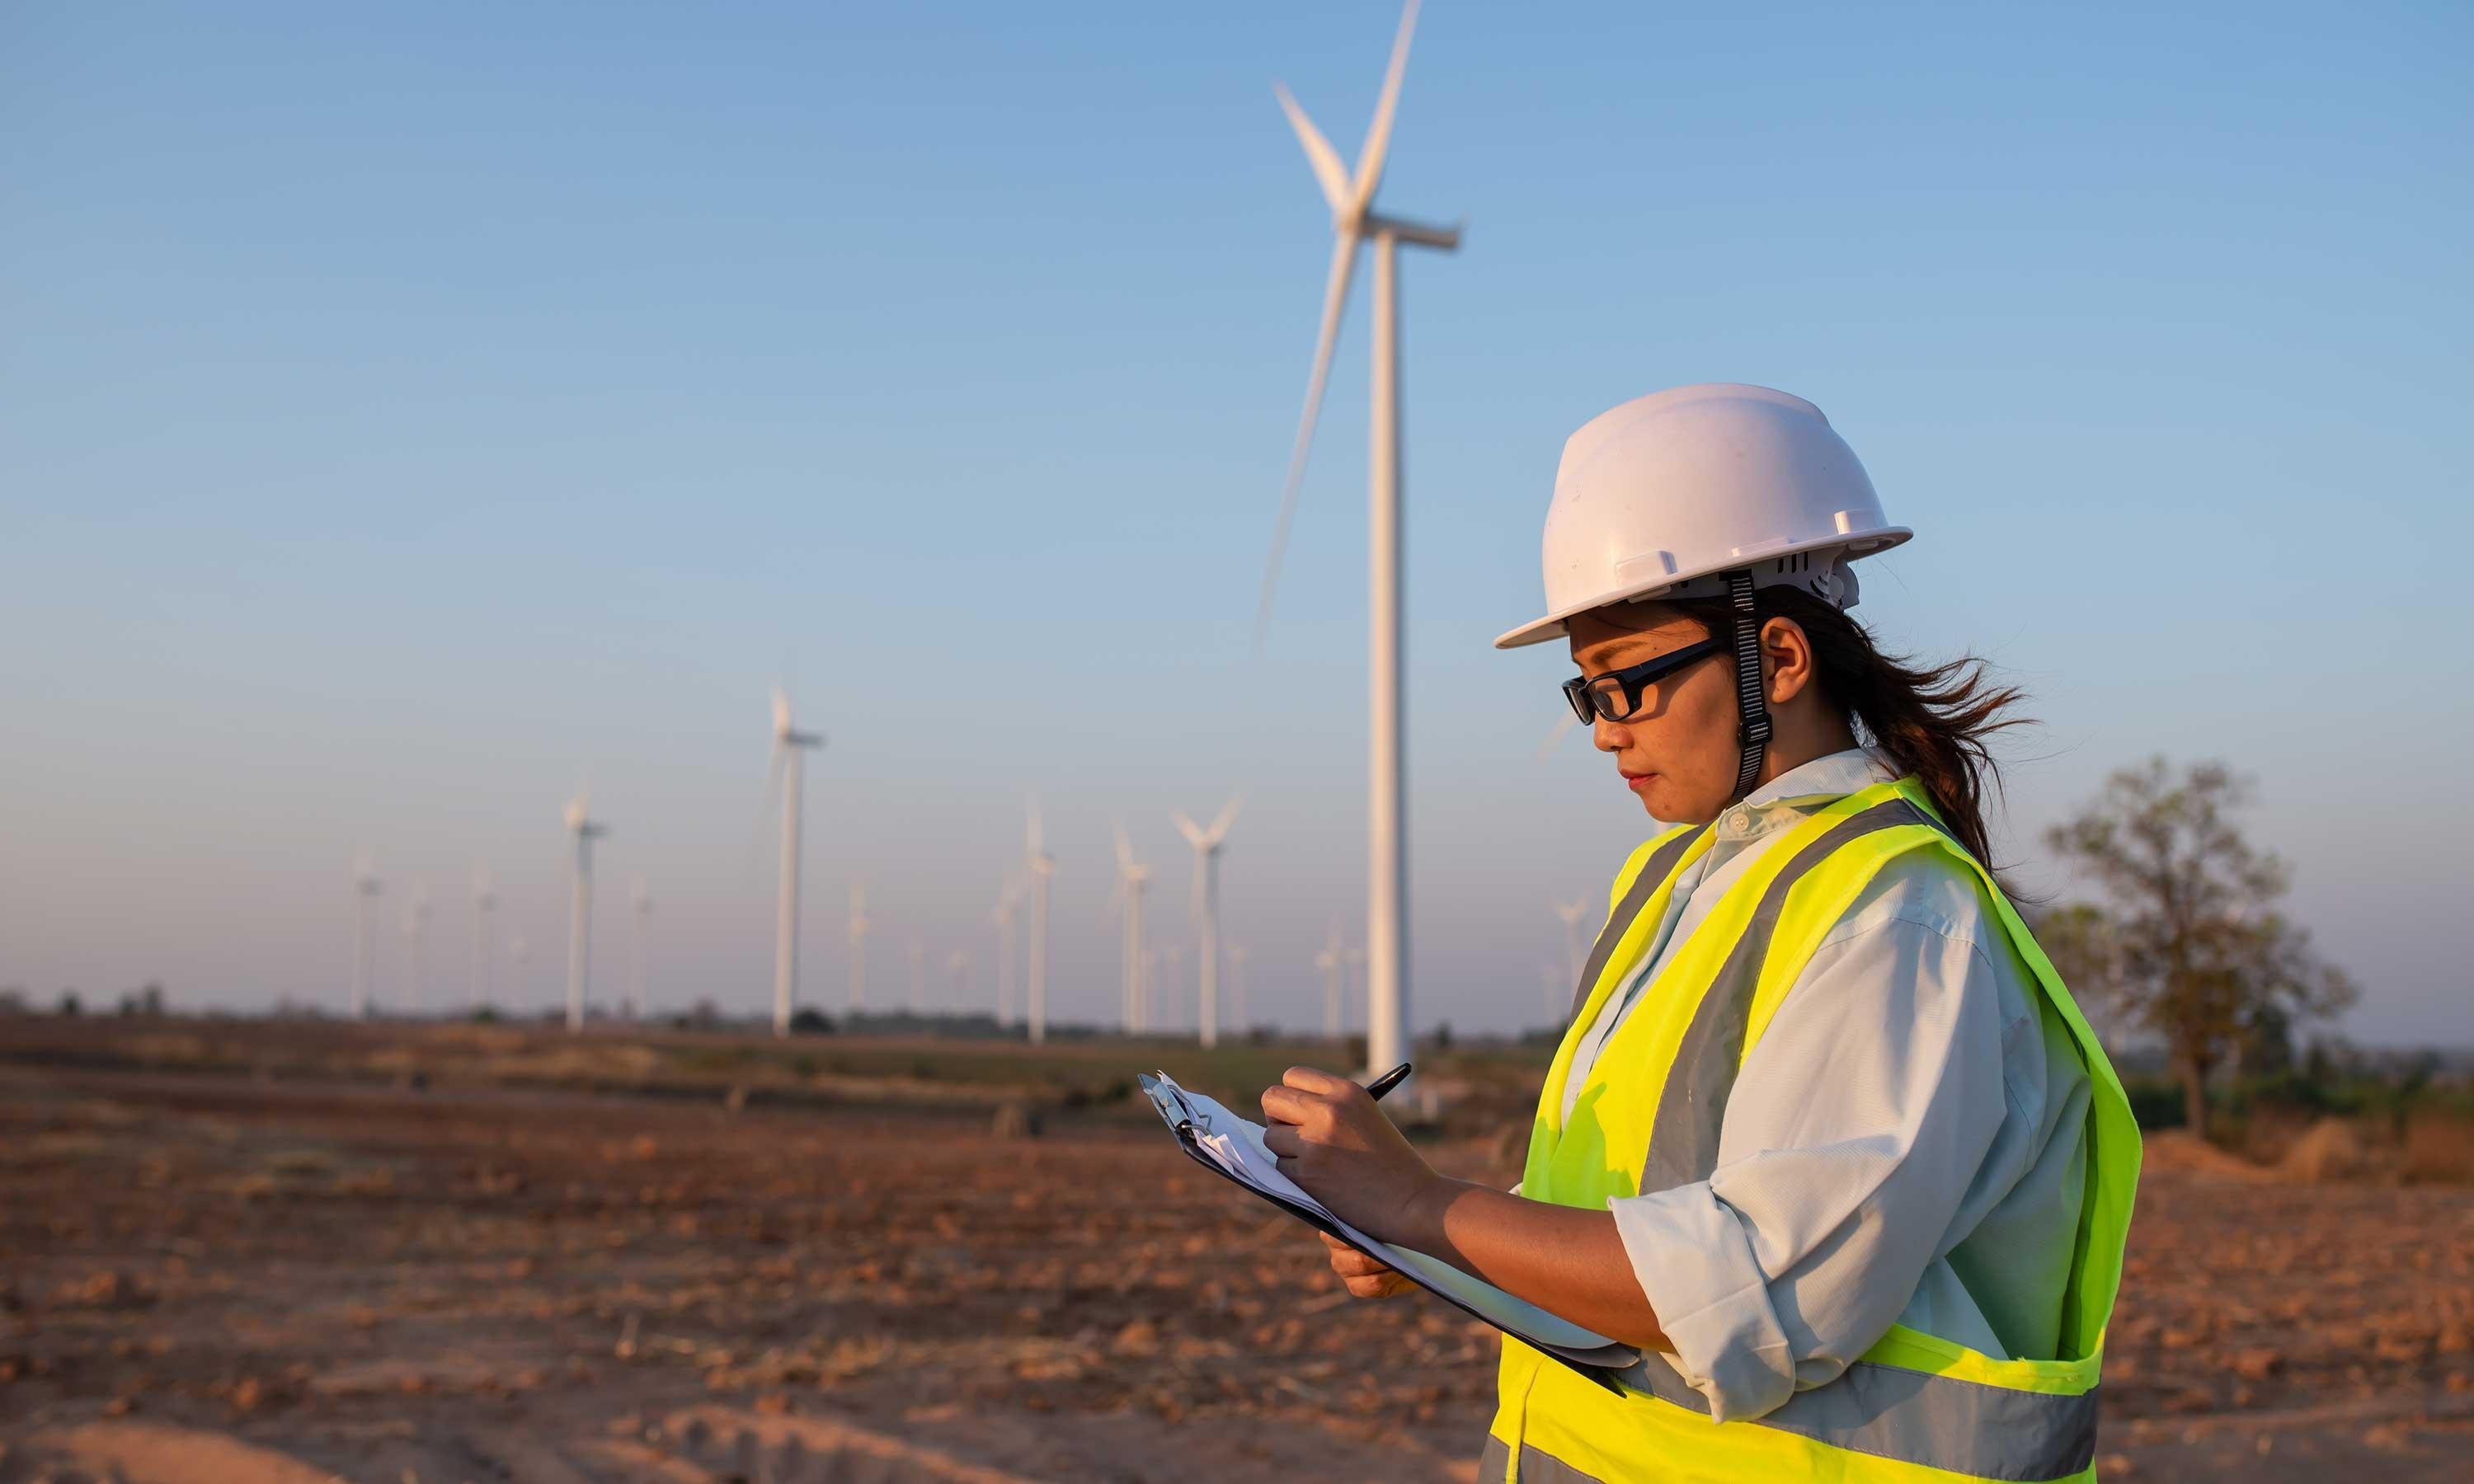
x: 206, y: 1278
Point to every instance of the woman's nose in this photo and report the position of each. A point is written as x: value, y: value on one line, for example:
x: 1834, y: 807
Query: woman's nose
x: 1608, y: 737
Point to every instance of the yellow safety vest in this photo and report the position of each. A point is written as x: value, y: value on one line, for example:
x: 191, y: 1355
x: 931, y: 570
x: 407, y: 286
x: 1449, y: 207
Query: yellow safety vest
x: 1915, y: 1406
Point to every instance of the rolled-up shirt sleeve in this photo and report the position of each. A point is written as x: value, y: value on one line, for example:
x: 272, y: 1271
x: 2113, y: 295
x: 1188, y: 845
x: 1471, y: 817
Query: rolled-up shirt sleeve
x: 1854, y: 1132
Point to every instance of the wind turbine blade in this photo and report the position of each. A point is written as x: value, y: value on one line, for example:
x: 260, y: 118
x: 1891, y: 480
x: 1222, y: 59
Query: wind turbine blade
x: 1555, y: 738
x: 781, y: 712
x: 1186, y: 827
x: 1378, y: 134
x: 1335, y: 300
x: 1227, y: 817
x: 1319, y: 153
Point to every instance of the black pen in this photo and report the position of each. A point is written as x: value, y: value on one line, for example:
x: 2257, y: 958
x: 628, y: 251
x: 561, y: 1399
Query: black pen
x: 1388, y: 1081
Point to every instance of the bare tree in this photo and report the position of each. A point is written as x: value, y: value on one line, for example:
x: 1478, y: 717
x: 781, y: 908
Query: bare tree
x: 2187, y: 942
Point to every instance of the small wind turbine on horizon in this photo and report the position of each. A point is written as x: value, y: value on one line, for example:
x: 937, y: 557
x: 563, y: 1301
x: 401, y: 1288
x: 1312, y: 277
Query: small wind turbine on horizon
x: 366, y: 889
x: 1042, y: 868
x: 1332, y: 961
x: 641, y: 903
x: 857, y: 946
x: 1008, y: 901
x: 1354, y: 223
x: 790, y: 747
x: 1133, y: 878
x: 1572, y: 911
x: 485, y: 900
x: 416, y: 928
x: 1207, y: 845
x: 579, y: 914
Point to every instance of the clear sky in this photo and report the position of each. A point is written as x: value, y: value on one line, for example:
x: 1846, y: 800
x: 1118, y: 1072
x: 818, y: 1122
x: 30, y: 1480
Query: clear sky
x: 406, y: 413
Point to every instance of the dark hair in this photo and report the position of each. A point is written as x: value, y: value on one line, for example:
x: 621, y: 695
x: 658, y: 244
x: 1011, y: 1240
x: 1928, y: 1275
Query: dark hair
x: 1933, y: 720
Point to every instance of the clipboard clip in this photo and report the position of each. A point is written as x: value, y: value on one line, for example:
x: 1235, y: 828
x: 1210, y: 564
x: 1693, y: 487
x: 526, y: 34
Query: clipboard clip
x: 1169, y: 1100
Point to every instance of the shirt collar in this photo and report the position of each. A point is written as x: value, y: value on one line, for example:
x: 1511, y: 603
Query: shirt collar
x: 1789, y: 798
x: 1836, y: 776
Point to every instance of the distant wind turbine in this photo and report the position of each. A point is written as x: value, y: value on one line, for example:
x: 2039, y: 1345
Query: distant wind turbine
x: 484, y: 901
x: 365, y: 933
x: 1042, y: 868
x: 1572, y: 913
x: 1354, y: 222
x: 1332, y: 961
x: 790, y: 747
x: 416, y: 929
x: 579, y: 913
x: 857, y: 946
x: 1133, y: 878
x: 641, y: 903
x: 1207, y: 845
x: 1008, y: 901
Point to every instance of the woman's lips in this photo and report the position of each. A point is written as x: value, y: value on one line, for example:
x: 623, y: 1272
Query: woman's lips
x: 1636, y: 781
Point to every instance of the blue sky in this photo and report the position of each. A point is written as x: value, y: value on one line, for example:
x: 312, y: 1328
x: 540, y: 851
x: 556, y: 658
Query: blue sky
x: 411, y: 413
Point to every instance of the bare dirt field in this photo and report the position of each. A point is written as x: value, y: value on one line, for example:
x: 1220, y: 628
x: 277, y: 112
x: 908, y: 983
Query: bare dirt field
x: 222, y: 1278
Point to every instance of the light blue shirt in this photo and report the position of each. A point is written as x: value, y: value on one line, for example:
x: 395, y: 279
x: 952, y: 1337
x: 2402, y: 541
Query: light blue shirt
x: 1904, y: 1142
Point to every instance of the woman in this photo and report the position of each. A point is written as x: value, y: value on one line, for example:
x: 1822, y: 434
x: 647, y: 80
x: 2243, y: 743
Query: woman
x: 1826, y: 1139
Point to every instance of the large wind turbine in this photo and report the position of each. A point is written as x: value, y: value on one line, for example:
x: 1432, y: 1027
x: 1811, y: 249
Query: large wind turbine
x: 1042, y: 866
x: 1354, y: 222
x: 789, y: 746
x: 579, y: 913
x: 484, y: 901
x: 365, y: 932
x: 1207, y: 845
x: 1133, y: 878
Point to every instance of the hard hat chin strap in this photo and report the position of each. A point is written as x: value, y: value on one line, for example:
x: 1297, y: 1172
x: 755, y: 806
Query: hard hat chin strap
x: 1752, y: 700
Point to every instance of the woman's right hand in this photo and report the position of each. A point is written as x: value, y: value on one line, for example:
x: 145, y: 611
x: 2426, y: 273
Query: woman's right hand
x: 1365, y: 1276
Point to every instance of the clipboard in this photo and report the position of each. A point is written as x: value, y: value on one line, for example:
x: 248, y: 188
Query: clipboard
x: 1593, y: 1355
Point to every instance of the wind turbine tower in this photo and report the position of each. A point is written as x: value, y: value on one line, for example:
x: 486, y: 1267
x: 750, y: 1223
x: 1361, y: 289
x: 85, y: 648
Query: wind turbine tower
x: 857, y: 946
x: 1332, y: 961
x: 1572, y: 911
x: 579, y: 913
x: 365, y: 933
x: 1008, y: 901
x: 1354, y: 223
x: 790, y: 747
x: 484, y: 901
x: 416, y: 928
x: 641, y: 903
x: 1207, y: 845
x: 1133, y: 878
x: 1042, y: 866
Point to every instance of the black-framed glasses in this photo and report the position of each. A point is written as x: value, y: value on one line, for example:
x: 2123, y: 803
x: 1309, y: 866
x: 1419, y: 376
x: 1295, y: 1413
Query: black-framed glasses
x: 1617, y: 694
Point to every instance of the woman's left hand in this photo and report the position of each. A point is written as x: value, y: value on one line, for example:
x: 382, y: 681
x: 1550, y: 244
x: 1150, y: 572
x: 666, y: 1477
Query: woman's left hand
x: 1333, y: 1140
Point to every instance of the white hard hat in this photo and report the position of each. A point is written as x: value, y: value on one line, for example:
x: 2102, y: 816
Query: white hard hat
x: 1667, y: 494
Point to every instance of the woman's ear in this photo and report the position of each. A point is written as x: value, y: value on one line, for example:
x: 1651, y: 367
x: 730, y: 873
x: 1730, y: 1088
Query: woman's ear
x: 1786, y: 658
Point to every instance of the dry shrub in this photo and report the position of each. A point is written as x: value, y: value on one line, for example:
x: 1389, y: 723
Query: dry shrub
x: 2438, y: 1149
x: 2329, y: 1150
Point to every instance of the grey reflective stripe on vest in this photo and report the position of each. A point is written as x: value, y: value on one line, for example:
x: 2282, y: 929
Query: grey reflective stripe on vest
x: 1653, y: 875
x: 1986, y: 1432
x: 1536, y: 1466
x: 1684, y: 1140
